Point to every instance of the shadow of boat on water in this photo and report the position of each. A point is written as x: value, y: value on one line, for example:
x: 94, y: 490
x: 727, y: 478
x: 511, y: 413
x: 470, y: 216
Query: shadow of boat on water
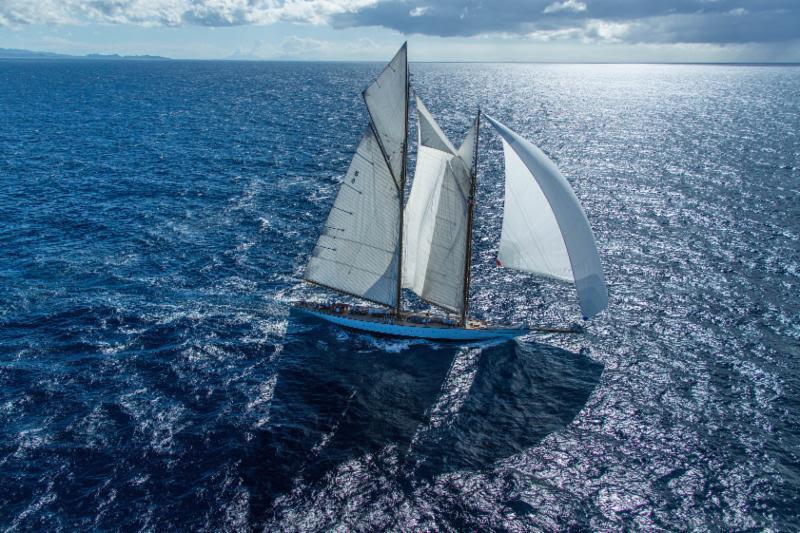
x: 340, y: 396
x: 519, y: 394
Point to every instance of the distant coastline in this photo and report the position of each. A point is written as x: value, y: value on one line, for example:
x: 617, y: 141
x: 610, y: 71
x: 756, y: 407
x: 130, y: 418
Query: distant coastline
x: 15, y: 53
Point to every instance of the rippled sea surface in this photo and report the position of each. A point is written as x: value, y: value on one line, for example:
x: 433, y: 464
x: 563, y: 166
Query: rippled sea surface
x: 155, y: 219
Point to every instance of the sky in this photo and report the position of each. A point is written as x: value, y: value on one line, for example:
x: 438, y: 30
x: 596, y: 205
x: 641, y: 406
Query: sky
x: 443, y: 30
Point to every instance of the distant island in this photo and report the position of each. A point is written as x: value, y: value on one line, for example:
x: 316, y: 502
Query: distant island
x: 14, y: 53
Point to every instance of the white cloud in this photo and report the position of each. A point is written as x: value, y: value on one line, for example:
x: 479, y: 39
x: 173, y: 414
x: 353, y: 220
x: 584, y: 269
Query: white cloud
x: 567, y: 5
x: 14, y: 13
x: 591, y: 31
x: 294, y: 47
x: 604, y: 31
x: 418, y: 11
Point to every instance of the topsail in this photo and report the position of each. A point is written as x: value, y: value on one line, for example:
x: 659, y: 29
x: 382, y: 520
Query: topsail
x: 545, y: 230
x: 387, y: 102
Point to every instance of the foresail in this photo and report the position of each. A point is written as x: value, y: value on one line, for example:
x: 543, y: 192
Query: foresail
x: 436, y: 219
x: 420, y: 211
x: 444, y: 280
x: 387, y: 102
x: 545, y: 230
x: 357, y: 252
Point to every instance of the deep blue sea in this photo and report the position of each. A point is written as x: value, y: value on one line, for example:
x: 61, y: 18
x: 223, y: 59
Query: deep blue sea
x: 155, y: 218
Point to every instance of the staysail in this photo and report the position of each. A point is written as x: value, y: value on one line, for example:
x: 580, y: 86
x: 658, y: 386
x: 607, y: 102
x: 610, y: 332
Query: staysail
x: 358, y: 252
x: 545, y: 230
x: 435, y: 218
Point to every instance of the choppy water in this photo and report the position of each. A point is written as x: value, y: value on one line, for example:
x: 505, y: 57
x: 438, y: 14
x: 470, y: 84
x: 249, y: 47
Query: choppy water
x: 155, y: 216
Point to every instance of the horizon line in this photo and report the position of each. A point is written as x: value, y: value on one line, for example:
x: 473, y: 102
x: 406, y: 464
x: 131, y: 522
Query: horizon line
x: 40, y: 55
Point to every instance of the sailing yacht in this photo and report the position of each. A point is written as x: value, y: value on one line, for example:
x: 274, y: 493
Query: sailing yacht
x: 374, y: 243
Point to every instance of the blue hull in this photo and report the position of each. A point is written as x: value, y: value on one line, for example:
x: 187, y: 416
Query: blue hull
x: 417, y: 331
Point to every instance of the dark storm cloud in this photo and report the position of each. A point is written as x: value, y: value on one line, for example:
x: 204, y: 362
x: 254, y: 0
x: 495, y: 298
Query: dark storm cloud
x: 668, y: 21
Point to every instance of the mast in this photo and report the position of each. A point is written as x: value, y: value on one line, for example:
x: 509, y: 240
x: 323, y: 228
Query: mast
x: 470, y: 208
x: 401, y: 194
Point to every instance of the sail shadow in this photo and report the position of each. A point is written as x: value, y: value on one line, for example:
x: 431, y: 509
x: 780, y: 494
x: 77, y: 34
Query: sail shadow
x: 520, y: 393
x: 339, y: 396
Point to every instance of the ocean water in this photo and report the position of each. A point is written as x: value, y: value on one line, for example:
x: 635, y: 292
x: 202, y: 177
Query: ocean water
x: 155, y: 218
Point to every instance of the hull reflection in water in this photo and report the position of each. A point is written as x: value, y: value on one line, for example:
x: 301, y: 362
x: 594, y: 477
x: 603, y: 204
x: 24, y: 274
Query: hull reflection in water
x: 342, y: 409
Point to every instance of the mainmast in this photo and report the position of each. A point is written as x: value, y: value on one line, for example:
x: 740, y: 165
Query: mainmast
x: 470, y: 208
x: 401, y: 194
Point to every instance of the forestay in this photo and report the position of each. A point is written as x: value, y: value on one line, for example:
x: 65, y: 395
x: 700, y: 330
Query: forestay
x: 387, y: 102
x: 545, y: 230
x: 435, y: 218
x: 357, y: 252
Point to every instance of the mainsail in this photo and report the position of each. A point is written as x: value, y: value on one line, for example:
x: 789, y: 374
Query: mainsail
x: 436, y: 217
x: 359, y: 250
x: 545, y: 230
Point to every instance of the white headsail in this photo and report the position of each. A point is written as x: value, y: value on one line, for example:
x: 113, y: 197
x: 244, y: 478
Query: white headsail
x: 545, y: 230
x: 387, y: 102
x: 435, y: 218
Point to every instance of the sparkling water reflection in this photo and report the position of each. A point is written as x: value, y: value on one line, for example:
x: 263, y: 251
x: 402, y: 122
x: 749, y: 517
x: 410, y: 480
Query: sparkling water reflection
x: 154, y: 218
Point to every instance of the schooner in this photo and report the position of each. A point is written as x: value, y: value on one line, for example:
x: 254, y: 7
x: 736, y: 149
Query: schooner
x: 374, y: 244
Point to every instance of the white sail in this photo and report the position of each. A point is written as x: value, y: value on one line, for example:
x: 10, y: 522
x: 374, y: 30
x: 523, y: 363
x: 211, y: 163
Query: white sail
x: 387, y: 102
x: 467, y: 149
x: 435, y: 219
x: 357, y: 252
x: 434, y: 152
x: 545, y: 230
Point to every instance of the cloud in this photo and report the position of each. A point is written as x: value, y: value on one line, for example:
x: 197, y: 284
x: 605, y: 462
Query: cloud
x: 566, y: 5
x: 298, y: 48
x: 15, y: 13
x: 718, y: 22
x: 294, y: 46
x: 634, y: 21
